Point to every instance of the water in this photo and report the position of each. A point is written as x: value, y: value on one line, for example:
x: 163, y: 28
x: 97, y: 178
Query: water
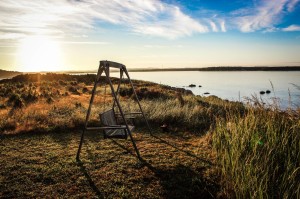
x: 234, y: 86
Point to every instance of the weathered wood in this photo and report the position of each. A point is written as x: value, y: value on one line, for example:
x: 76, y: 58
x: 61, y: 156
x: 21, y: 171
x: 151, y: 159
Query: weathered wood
x: 110, y: 126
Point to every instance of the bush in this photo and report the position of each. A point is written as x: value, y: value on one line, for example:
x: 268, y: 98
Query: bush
x: 30, y: 97
x: 50, y: 100
x: 18, y: 103
x: 61, y: 82
x: 73, y: 90
x: 85, y: 90
x: 2, y: 106
x: 126, y: 92
x: 73, y: 83
x: 145, y: 93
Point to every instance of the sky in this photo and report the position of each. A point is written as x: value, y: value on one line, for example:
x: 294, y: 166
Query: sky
x: 53, y: 35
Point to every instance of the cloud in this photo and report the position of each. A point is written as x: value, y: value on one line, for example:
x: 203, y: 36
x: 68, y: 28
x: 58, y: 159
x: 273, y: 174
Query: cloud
x: 291, y: 28
x: 267, y: 14
x: 291, y: 5
x: 86, y: 43
x: 223, y: 27
x: 60, y: 17
x: 52, y: 18
x: 214, y: 27
x: 148, y: 17
x: 68, y: 18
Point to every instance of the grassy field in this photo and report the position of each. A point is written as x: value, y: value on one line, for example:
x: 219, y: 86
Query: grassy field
x: 174, y: 166
x: 213, y: 148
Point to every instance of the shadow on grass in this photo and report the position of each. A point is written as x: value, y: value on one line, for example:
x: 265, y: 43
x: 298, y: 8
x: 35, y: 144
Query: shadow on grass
x: 176, y: 181
x: 58, y: 134
x: 89, y: 179
x: 181, y: 181
x: 184, y: 151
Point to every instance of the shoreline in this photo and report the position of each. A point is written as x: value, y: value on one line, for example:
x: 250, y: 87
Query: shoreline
x: 7, y: 74
x: 221, y: 68
x: 205, y: 69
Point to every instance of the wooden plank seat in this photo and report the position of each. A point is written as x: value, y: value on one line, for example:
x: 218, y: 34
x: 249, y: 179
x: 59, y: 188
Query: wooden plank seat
x: 112, y: 128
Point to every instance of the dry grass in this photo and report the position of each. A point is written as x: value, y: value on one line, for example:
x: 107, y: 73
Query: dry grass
x: 174, y: 166
x: 259, y: 153
x: 256, y: 148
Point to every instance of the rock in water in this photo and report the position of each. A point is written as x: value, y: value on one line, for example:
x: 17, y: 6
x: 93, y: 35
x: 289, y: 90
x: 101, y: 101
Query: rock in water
x: 262, y: 92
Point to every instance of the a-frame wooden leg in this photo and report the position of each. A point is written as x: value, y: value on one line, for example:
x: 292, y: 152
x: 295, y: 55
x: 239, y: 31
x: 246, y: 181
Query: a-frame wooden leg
x: 138, y: 101
x: 122, y: 114
x: 100, y: 71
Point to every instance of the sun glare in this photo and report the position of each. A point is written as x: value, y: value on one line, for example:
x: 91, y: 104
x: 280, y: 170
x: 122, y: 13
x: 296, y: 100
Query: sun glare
x: 39, y: 54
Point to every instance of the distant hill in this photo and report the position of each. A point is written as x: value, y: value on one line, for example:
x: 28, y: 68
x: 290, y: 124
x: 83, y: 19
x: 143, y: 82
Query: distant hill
x: 221, y: 68
x: 8, y: 74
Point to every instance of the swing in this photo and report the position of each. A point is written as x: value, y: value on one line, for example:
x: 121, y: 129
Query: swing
x: 110, y: 118
x: 113, y: 124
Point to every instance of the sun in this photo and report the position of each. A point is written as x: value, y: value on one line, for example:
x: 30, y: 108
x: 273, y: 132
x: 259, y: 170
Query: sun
x: 38, y: 53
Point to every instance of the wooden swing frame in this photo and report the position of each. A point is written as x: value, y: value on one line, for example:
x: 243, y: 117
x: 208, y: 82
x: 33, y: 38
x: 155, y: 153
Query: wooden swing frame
x: 104, y: 67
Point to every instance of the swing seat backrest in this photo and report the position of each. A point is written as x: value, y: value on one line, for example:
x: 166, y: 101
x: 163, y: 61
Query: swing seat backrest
x: 108, y: 119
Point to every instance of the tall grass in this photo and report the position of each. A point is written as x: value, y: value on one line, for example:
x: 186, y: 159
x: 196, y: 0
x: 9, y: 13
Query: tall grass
x: 189, y: 113
x: 259, y: 153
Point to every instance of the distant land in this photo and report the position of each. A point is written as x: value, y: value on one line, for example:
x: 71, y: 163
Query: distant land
x: 222, y: 68
x: 217, y: 68
x: 8, y: 74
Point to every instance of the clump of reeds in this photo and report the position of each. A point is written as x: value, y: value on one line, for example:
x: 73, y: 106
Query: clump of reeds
x: 259, y: 152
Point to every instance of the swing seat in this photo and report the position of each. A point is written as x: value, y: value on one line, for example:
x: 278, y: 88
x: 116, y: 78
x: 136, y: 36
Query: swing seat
x: 128, y: 116
x: 111, y: 128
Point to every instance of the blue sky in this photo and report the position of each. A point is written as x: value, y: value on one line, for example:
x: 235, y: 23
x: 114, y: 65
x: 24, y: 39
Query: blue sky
x: 76, y: 34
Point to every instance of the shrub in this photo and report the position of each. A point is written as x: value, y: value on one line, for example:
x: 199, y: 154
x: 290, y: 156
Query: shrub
x: 126, y: 92
x: 49, y: 100
x: 18, y: 102
x: 73, y: 90
x: 30, y: 97
x: 145, y: 93
x: 73, y: 83
x: 61, y: 82
x: 85, y: 90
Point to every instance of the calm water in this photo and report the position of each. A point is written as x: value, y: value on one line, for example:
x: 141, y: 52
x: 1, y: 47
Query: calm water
x: 235, y: 86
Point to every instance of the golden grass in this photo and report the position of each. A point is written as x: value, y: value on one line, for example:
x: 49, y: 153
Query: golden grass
x: 214, y: 148
x: 176, y: 166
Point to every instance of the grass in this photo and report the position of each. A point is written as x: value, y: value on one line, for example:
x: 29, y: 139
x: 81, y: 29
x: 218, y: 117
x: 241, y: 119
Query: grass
x: 259, y: 153
x: 38, y: 165
x: 214, y: 148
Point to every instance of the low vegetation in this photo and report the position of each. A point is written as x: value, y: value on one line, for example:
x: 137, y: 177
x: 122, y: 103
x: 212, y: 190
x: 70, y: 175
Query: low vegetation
x: 212, y: 148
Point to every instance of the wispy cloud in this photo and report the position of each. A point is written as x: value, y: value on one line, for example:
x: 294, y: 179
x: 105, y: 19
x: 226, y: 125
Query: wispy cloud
x: 223, y: 27
x: 86, y: 43
x: 214, y: 27
x: 53, y: 18
x: 263, y: 15
x: 61, y: 18
x: 169, y: 22
x: 57, y: 18
x: 291, y: 28
x: 291, y: 5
